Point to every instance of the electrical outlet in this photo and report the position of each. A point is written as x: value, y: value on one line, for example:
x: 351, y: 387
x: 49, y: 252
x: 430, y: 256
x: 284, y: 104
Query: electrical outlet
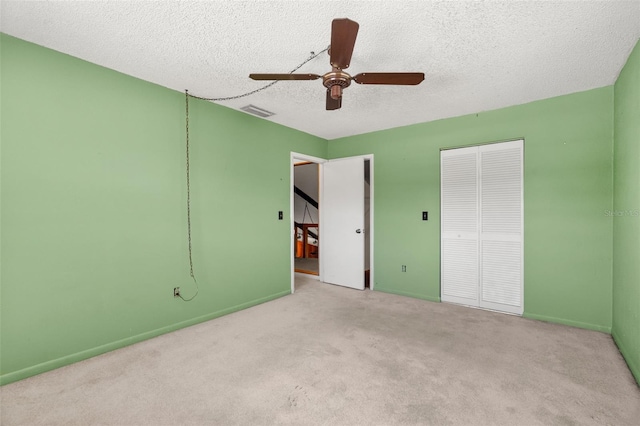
x: 176, y: 292
x: 404, y: 268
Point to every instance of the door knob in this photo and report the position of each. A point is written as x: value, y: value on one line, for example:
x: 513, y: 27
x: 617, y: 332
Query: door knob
x: 358, y: 231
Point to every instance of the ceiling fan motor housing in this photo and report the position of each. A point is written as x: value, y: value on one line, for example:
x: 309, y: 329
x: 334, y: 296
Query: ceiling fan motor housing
x: 336, y: 80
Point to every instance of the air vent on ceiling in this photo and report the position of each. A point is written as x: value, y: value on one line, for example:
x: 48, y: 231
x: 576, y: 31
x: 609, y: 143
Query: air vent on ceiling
x: 252, y: 109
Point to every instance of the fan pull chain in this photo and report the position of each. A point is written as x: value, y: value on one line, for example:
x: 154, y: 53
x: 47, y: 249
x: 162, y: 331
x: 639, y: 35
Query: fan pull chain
x: 228, y: 98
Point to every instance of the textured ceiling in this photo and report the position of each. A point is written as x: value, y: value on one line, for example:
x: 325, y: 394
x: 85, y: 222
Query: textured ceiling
x: 477, y: 56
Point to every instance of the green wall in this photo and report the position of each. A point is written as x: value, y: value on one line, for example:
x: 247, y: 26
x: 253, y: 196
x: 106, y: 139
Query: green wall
x: 94, y: 225
x: 93, y: 209
x: 567, y: 188
x: 626, y: 213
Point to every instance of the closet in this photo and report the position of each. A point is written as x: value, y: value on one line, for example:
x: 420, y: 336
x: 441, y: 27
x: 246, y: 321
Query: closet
x: 481, y: 193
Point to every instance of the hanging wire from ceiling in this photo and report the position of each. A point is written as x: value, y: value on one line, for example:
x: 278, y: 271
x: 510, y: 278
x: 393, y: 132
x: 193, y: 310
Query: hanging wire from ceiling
x: 187, y: 95
x: 304, y: 215
x: 312, y: 56
x: 188, y: 167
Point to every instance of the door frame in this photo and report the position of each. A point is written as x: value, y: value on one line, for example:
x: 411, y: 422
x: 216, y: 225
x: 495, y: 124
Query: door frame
x: 320, y: 161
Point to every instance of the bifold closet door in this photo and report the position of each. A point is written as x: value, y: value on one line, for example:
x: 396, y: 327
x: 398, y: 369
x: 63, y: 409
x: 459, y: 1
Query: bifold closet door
x: 501, y: 226
x: 459, y: 227
x: 482, y: 224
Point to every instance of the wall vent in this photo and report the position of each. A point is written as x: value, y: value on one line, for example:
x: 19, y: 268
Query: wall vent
x: 252, y: 109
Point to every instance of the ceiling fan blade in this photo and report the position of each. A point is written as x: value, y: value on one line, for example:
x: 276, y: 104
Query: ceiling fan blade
x: 343, y: 39
x: 284, y: 76
x: 333, y: 103
x: 403, y: 78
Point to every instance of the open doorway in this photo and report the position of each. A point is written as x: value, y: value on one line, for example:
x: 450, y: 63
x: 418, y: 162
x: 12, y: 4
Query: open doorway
x: 306, y: 209
x: 333, y: 230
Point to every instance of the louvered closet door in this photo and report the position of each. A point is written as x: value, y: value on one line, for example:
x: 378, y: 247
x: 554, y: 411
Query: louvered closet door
x: 459, y: 227
x: 482, y: 224
x: 501, y: 224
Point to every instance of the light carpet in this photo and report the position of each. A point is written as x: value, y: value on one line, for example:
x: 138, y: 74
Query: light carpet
x: 328, y: 355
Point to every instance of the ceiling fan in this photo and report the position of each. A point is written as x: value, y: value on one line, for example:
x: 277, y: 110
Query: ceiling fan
x: 343, y: 39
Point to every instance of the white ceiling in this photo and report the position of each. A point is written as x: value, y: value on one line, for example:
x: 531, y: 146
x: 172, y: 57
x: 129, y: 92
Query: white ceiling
x: 477, y: 56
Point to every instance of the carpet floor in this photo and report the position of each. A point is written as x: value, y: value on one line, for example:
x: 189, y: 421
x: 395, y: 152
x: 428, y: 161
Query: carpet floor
x: 328, y: 355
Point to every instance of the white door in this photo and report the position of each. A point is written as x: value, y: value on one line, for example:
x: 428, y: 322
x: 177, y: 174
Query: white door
x: 342, y: 222
x: 482, y: 226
